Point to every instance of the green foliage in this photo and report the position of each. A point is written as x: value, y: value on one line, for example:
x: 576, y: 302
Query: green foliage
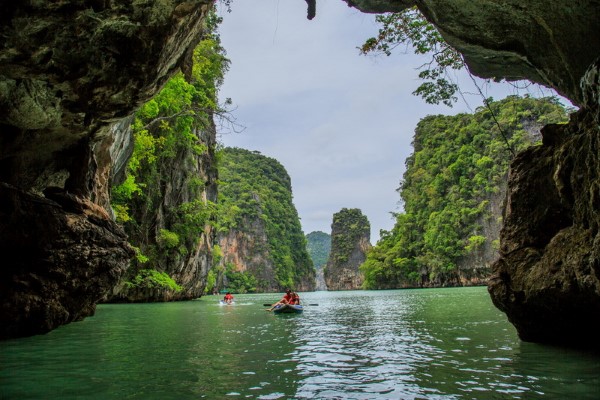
x: 257, y: 188
x: 240, y: 282
x: 211, y: 281
x: 318, y: 245
x: 153, y: 279
x: 474, y: 242
x: 162, y: 202
x: 349, y: 226
x: 410, y: 28
x: 139, y: 256
x: 458, y: 163
x: 168, y: 239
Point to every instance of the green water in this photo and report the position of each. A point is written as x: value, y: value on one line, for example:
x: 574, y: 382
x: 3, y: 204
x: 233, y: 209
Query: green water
x: 403, y: 344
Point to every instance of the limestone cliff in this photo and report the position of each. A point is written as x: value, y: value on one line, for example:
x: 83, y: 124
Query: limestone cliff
x: 547, y: 279
x: 350, y: 232
x: 247, y: 251
x: 58, y: 274
x: 260, y: 236
x: 171, y: 207
x: 476, y: 267
x: 71, y: 72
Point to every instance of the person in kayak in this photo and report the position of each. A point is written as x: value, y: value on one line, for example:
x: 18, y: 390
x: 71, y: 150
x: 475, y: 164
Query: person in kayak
x: 287, y: 298
x: 295, y: 299
x: 228, y: 298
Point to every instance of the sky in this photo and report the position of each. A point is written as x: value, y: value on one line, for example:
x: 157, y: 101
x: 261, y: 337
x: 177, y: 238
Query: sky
x: 340, y: 123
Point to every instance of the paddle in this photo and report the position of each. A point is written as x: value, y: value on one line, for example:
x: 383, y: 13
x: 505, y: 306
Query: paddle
x: 269, y: 305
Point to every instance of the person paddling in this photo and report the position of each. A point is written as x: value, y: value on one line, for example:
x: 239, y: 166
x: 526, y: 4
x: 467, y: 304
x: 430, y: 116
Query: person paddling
x: 295, y: 299
x: 228, y: 299
x: 287, y: 298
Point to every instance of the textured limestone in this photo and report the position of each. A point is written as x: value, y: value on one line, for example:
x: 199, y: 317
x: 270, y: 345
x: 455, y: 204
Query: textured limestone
x: 66, y: 254
x: 350, y: 233
x: 71, y: 74
x: 548, y: 277
x: 190, y: 268
x: 249, y: 251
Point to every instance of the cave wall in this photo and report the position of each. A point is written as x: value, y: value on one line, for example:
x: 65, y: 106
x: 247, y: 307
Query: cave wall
x: 547, y: 279
x: 71, y: 71
x: 71, y: 74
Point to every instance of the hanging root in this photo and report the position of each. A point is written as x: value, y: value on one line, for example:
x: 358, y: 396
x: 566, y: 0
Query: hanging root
x: 312, y: 8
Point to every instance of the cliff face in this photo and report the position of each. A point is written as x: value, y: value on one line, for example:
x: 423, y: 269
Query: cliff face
x: 189, y: 261
x: 260, y: 234
x: 58, y: 274
x: 476, y: 268
x: 70, y: 74
x: 248, y: 252
x: 547, y: 279
x: 350, y: 232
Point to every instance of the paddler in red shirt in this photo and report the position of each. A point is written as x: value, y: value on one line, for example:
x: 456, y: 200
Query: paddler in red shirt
x: 287, y: 298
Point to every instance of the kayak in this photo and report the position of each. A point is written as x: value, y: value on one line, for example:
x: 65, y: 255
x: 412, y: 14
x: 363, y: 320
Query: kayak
x: 224, y: 303
x: 288, y: 309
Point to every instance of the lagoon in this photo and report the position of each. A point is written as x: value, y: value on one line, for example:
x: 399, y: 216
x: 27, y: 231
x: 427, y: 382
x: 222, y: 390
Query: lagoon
x: 399, y: 344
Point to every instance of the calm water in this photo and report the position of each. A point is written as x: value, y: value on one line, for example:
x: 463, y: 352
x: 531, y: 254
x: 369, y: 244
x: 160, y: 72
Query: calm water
x: 409, y: 344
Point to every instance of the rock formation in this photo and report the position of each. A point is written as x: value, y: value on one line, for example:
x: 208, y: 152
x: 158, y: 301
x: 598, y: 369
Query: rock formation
x: 350, y: 233
x: 60, y: 256
x: 71, y: 72
x: 547, y: 279
x: 188, y: 263
x: 247, y: 251
x: 260, y: 232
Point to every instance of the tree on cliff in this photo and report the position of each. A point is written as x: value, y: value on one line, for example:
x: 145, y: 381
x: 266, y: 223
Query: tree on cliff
x: 410, y: 28
x: 165, y: 202
x: 350, y: 233
x: 259, y: 230
x: 458, y: 165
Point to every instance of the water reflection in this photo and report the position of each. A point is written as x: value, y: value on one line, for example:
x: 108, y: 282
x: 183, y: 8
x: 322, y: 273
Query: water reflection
x: 408, y: 344
x: 427, y: 344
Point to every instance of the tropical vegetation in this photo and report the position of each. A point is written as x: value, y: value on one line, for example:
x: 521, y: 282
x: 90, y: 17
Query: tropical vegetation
x: 410, y: 28
x: 161, y: 201
x: 255, y: 190
x: 458, y: 164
